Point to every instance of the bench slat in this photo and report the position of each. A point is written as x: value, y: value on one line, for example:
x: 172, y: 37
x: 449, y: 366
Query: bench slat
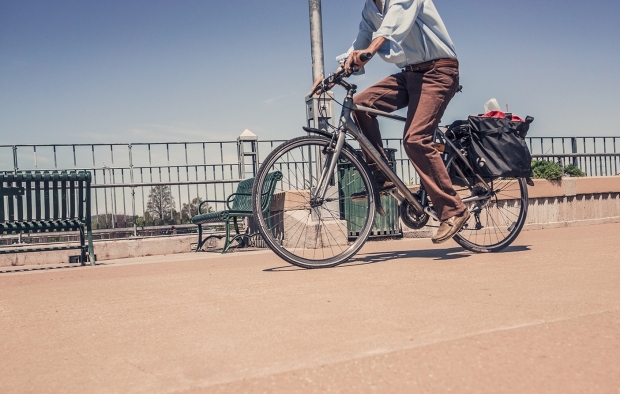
x: 63, y: 199
x: 28, y: 199
x: 37, y: 202
x: 46, y: 200
x: 81, y: 198
x: 11, y: 205
x: 19, y: 199
x: 55, y: 198
x: 72, y: 198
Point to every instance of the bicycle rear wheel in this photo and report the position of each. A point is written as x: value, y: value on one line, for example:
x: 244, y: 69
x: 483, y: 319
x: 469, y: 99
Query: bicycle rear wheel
x: 496, y: 221
x: 299, y: 227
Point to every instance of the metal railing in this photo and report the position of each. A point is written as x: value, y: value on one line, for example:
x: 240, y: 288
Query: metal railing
x: 595, y: 156
x: 128, y: 177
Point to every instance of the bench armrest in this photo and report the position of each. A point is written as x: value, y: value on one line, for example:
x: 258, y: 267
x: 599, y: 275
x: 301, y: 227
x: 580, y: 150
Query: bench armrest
x: 207, y: 201
x: 231, y: 198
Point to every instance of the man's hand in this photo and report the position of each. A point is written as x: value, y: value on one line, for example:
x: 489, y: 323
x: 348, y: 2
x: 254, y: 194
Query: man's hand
x: 315, y: 86
x: 319, y: 80
x: 354, y: 62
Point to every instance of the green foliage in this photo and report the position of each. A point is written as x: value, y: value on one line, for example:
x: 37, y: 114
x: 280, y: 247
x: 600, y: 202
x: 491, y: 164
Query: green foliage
x: 553, y: 171
x: 160, y: 206
x: 572, y: 170
x: 189, y: 210
x: 546, y: 170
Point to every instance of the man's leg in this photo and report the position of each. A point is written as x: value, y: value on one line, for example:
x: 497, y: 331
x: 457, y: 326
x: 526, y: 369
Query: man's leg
x: 387, y: 95
x: 429, y: 95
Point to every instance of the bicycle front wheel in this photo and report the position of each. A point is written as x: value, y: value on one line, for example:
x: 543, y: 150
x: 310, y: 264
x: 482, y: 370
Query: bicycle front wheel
x: 496, y: 221
x: 302, y: 228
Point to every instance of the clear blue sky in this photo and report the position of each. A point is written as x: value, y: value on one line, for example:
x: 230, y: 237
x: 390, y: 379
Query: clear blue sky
x: 141, y: 71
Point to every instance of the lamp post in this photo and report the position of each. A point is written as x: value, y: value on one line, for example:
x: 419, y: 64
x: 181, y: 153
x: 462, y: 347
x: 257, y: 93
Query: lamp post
x: 317, y: 112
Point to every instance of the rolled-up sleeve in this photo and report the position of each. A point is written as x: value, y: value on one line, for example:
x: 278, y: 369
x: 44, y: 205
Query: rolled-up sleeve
x: 364, y: 37
x: 396, y: 26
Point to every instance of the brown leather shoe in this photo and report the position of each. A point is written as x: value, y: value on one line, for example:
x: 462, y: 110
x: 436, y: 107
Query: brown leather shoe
x: 450, y: 227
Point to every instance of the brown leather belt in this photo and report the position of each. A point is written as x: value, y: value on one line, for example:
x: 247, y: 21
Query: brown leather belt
x: 427, y: 66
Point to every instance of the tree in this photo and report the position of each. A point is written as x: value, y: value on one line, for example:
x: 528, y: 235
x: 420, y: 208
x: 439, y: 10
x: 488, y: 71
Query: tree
x: 161, y: 204
x: 189, y: 210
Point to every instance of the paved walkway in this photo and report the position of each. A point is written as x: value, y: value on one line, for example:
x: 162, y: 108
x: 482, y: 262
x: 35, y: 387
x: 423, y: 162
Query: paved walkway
x: 404, y: 316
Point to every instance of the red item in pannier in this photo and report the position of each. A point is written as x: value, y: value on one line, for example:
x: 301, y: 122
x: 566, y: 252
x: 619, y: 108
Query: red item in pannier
x: 501, y: 115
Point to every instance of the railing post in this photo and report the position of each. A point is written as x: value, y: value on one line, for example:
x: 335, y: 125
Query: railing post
x: 15, y: 166
x: 573, y: 142
x: 247, y: 137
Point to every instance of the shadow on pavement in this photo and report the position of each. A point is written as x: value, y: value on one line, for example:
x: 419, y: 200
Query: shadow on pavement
x: 380, y: 257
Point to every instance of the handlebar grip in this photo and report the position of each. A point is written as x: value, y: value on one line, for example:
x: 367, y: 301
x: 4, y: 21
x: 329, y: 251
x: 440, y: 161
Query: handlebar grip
x: 366, y: 56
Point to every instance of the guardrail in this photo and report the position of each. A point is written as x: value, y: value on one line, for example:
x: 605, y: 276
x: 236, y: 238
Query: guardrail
x: 160, y: 184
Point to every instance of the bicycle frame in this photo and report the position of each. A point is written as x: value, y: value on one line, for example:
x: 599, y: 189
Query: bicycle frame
x: 402, y: 192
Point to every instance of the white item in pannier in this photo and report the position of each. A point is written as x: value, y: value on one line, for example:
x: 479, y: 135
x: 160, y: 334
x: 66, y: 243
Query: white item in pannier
x: 491, y: 105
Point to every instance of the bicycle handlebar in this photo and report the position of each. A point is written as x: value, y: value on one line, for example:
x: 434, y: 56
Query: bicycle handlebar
x: 336, y: 78
x: 366, y: 56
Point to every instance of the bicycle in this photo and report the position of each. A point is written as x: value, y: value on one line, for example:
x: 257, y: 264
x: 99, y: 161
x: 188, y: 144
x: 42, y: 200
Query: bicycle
x: 312, y: 221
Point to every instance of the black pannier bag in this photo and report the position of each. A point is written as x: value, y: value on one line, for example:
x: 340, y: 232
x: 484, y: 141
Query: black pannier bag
x: 495, y: 147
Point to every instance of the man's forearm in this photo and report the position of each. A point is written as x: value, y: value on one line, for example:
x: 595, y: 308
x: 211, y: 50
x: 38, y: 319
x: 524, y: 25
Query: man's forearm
x: 376, y: 44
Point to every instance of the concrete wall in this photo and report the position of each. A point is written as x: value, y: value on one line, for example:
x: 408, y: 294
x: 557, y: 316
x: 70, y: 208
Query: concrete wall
x: 107, y: 250
x: 563, y: 203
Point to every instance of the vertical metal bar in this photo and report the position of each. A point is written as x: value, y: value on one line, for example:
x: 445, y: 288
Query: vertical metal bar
x: 55, y: 160
x: 143, y: 199
x: 179, y: 190
x: 573, y: 143
x: 92, y: 147
x: 241, y: 158
x: 35, y: 157
x: 189, y: 196
x: 204, y: 160
x: 169, y: 177
x: 133, y: 191
x: 113, y: 189
x: 105, y: 196
x: 15, y: 165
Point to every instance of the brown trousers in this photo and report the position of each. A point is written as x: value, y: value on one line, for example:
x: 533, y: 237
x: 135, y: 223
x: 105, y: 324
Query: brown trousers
x: 426, y: 93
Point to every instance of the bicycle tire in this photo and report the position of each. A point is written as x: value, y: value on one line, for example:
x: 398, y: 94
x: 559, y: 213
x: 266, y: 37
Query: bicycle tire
x: 307, y: 236
x: 503, y: 218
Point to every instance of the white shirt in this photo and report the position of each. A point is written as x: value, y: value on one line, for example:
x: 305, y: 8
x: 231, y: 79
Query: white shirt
x: 413, y: 28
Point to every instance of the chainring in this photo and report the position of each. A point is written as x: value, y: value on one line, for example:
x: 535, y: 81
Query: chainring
x: 411, y: 218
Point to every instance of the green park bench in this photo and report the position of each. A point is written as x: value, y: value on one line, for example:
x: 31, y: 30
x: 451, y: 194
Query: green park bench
x: 45, y: 202
x: 239, y: 206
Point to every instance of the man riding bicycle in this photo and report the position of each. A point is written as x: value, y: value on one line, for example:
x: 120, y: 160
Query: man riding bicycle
x: 411, y: 34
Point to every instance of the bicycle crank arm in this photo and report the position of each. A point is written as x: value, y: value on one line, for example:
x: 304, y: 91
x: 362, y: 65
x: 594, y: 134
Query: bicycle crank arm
x: 395, y: 194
